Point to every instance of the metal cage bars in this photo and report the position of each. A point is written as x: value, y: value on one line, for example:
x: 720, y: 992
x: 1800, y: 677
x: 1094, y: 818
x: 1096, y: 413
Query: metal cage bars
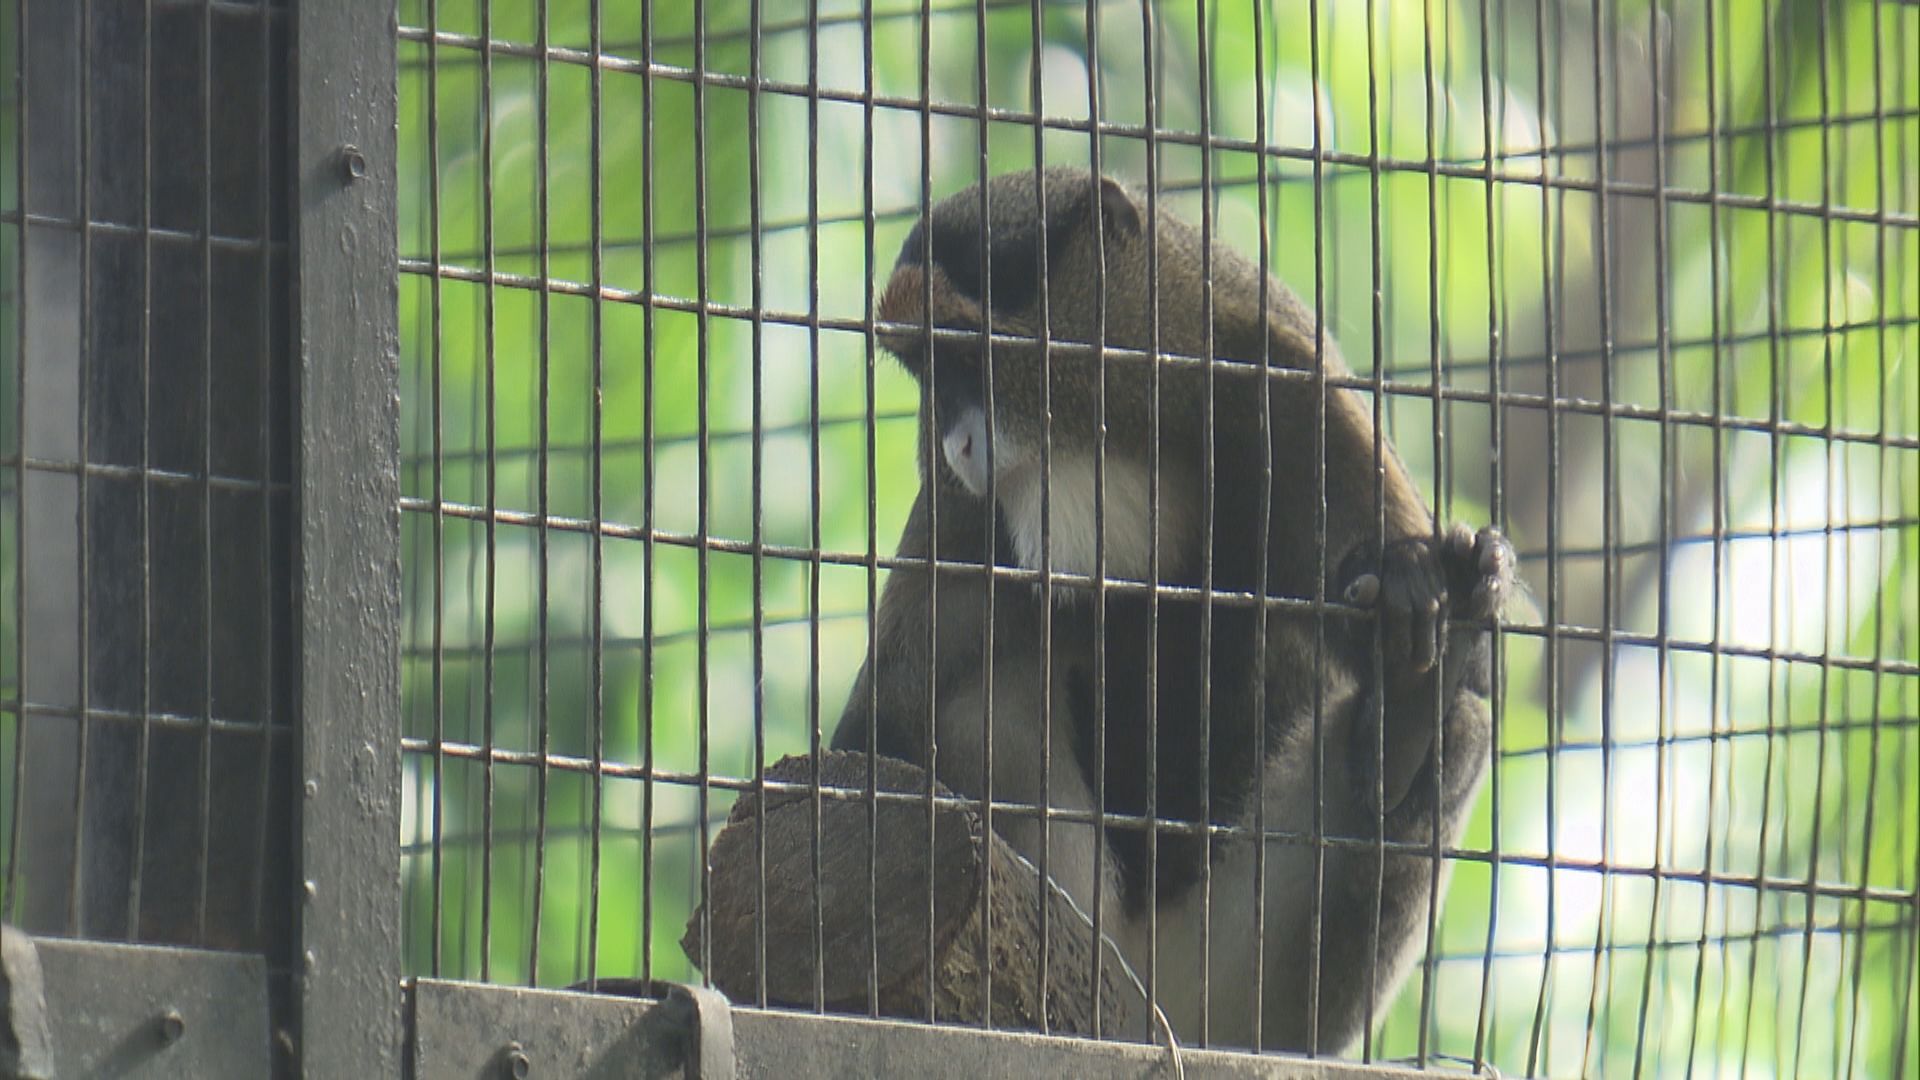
x: 351, y: 510
x: 452, y: 50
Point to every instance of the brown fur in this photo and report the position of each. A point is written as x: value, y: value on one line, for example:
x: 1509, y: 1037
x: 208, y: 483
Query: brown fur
x: 1162, y: 706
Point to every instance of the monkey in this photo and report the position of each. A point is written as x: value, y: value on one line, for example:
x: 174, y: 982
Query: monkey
x: 1351, y: 723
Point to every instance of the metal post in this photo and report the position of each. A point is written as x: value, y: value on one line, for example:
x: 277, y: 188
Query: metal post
x: 346, y: 307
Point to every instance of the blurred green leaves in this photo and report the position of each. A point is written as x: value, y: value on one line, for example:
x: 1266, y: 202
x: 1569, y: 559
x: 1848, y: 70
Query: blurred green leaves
x: 709, y: 233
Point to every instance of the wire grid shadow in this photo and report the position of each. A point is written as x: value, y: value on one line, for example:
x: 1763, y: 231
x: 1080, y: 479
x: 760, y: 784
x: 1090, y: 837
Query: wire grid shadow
x: 146, y: 653
x: 1638, y: 283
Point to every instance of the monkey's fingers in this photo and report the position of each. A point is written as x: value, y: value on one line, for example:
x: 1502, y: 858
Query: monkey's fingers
x: 1409, y: 594
x: 1481, y: 565
x: 1363, y: 590
x: 1497, y: 563
x: 1413, y: 607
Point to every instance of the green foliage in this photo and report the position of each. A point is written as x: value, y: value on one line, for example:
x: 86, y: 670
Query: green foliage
x: 716, y: 408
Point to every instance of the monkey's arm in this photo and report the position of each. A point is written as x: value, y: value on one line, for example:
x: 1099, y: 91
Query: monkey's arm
x: 1372, y: 914
x: 1433, y: 599
x: 898, y: 686
x: 894, y: 681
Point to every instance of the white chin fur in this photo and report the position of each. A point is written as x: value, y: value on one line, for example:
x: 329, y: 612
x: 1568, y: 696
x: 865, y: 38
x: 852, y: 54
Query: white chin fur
x: 1073, y: 533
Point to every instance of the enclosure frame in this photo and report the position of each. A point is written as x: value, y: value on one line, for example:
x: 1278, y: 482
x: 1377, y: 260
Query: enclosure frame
x: 84, y: 1006
x: 87, y: 1005
x: 347, y: 510
x: 352, y: 1008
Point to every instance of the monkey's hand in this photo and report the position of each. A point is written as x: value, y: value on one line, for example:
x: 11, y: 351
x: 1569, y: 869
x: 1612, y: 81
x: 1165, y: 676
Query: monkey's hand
x: 1421, y: 584
x: 1480, y: 568
x: 1431, y: 597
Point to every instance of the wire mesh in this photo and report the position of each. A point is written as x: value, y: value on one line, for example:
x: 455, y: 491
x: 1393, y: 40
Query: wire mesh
x: 1638, y: 283
x: 144, y: 473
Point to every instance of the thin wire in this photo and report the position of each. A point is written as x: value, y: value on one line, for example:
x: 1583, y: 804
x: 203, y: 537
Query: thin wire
x: 1263, y: 552
x: 1906, y: 941
x: 932, y: 450
x: 76, y: 907
x: 492, y: 493
x: 1733, y: 793
x: 1036, y: 87
x: 649, y: 461
x: 1151, y: 110
x: 437, y: 341
x: 984, y: 165
x: 476, y: 796
x: 1378, y: 320
x: 1795, y: 886
x: 1209, y: 505
x: 420, y: 607
x: 1450, y: 167
x: 1723, y: 606
x: 873, y: 507
x: 136, y: 873
x: 1884, y: 560
x: 1552, y: 249
x: 1623, y: 638
x: 272, y: 356
x: 1723, y: 72
x: 757, y: 264
x: 1717, y: 526
x: 1097, y: 206
x: 814, y: 540
x: 24, y: 142
x: 1786, y: 613
x: 597, y: 598
x: 1776, y: 460
x: 1618, y: 409
x: 543, y: 103
x: 970, y: 111
x: 1848, y: 1006
x: 1828, y: 578
x: 1609, y: 532
x: 1316, y: 914
x: 1494, y: 148
x: 704, y: 602
x: 202, y: 897
x: 1663, y: 676
x: 1437, y: 377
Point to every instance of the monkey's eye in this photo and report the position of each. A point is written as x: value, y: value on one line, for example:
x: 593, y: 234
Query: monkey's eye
x: 944, y: 353
x: 955, y: 373
x: 1012, y: 261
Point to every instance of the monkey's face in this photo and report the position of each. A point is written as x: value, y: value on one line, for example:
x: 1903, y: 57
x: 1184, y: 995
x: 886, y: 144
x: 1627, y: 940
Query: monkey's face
x: 1008, y: 369
x: 965, y: 276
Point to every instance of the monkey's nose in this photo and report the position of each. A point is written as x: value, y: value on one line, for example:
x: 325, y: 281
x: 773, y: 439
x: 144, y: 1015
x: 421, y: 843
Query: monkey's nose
x: 965, y: 448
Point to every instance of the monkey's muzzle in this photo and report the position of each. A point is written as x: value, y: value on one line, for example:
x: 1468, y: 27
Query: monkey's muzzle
x: 968, y: 450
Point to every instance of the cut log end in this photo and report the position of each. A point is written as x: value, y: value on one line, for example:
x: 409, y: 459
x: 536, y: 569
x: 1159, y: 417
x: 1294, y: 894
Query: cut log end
x: 899, y: 909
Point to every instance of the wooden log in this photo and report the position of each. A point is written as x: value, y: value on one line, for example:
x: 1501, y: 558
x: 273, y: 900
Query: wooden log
x: 919, y: 935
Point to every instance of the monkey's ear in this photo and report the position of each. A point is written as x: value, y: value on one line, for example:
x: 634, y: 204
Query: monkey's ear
x: 1118, y: 212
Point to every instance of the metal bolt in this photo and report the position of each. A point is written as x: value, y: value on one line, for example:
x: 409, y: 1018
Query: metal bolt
x: 519, y: 1066
x: 172, y: 1026
x: 353, y: 163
